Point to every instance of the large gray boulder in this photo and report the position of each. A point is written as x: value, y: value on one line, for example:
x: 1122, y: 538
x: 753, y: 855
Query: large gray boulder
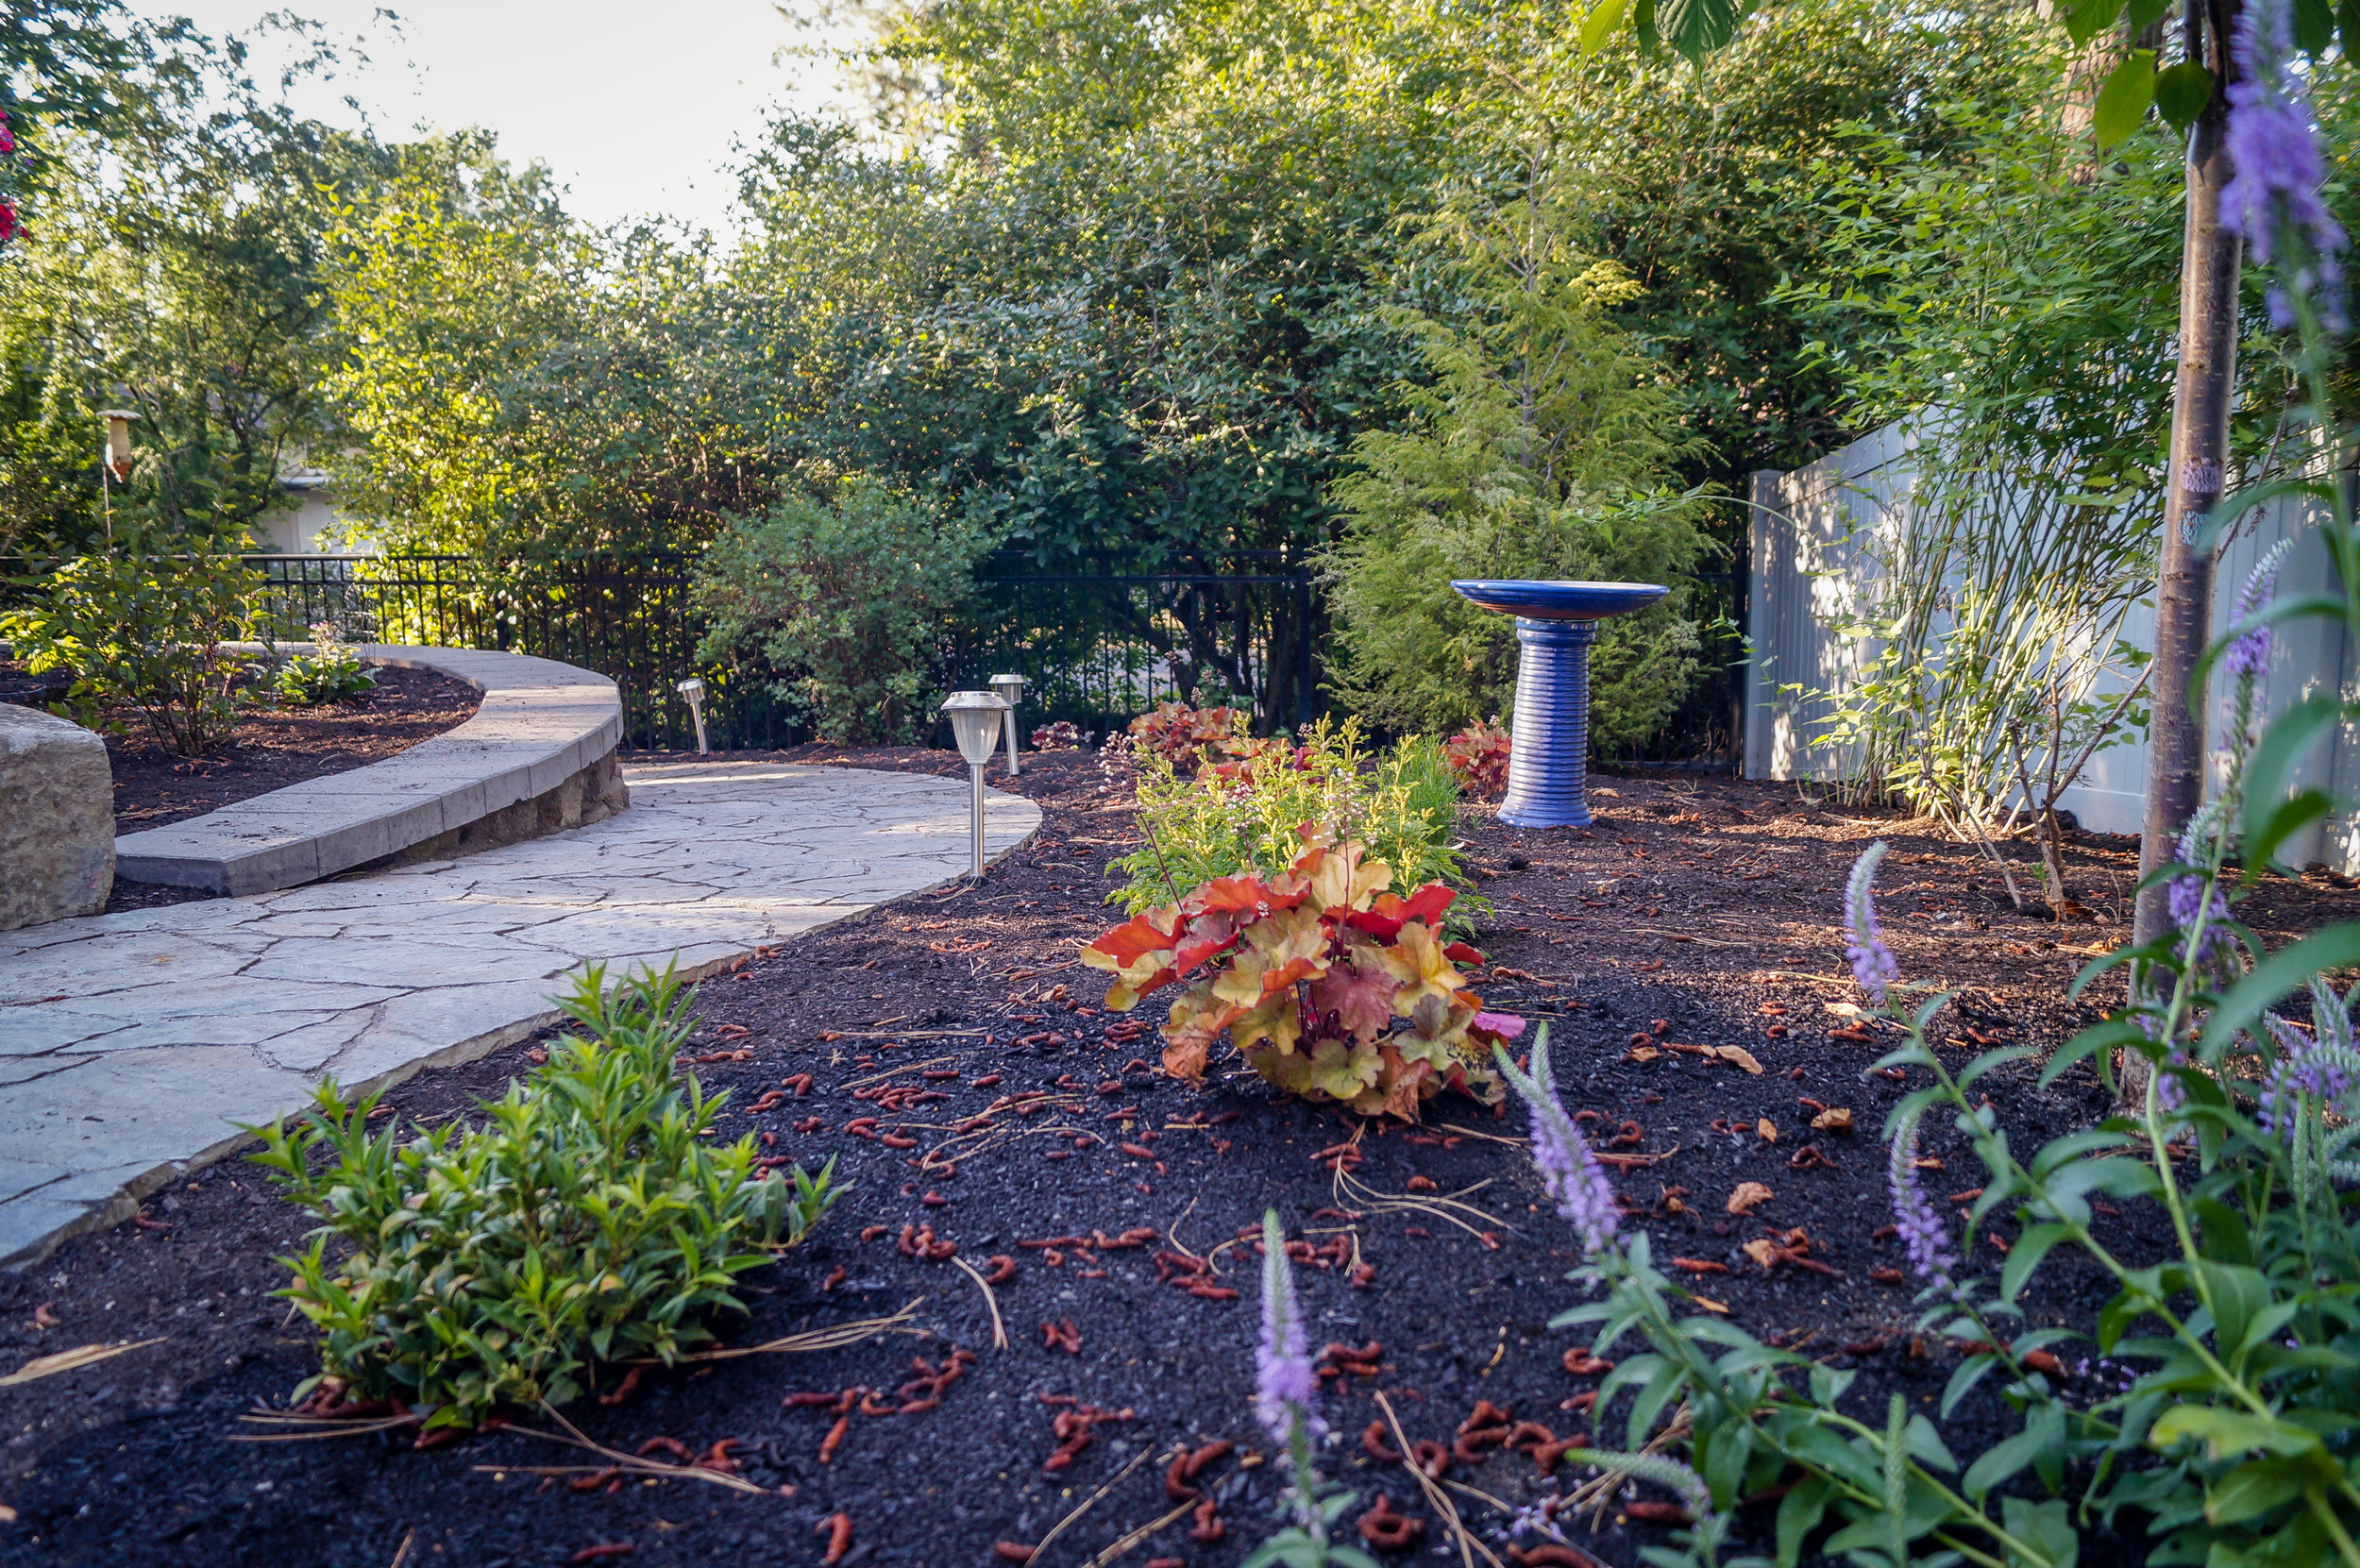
x: 57, y: 818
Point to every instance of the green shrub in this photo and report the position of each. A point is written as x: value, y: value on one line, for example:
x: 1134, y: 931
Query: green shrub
x: 846, y: 597
x: 1547, y: 446
x: 1247, y: 814
x: 330, y: 675
x: 146, y: 631
x: 588, y: 1220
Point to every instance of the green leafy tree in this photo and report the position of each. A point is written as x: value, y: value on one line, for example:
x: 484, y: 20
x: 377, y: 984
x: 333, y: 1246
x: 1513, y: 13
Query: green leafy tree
x: 845, y: 596
x: 169, y: 266
x: 1543, y: 448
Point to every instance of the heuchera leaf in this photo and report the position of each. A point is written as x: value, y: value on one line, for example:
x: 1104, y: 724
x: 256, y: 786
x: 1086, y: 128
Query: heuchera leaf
x: 1459, y: 953
x: 1197, y: 1020
x: 1242, y: 893
x: 1416, y: 960
x: 1385, y: 918
x: 1361, y: 997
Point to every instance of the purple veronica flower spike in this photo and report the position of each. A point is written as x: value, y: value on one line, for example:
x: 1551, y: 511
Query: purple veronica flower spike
x: 1873, y: 964
x: 1283, y: 1382
x: 1923, y: 1231
x: 2305, y: 1066
x: 1570, y: 1173
x: 2274, y: 192
x: 2186, y: 895
x: 2248, y: 657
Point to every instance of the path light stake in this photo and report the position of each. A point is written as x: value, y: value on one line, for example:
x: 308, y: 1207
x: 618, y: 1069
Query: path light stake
x: 975, y: 719
x: 1548, y: 760
x: 693, y: 690
x: 1010, y: 689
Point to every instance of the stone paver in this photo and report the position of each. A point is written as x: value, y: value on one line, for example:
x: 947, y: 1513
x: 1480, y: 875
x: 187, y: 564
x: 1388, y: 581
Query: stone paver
x: 131, y: 1043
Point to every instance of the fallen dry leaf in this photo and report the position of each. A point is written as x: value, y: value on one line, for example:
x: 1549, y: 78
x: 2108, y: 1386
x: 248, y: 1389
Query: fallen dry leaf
x: 1767, y: 1130
x: 66, y: 1361
x: 1742, y: 1057
x: 1747, y: 1196
x: 1763, y: 1252
x: 1710, y: 1305
x: 1842, y: 1009
x: 1642, y: 1054
x: 1835, y: 1119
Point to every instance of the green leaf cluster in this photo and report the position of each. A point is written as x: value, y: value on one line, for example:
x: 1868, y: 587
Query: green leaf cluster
x: 145, y: 630
x: 1401, y: 803
x: 330, y: 675
x: 844, y: 595
x: 588, y: 1220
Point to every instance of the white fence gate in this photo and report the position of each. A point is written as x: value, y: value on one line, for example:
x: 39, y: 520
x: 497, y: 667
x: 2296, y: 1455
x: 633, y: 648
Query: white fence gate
x: 1813, y: 563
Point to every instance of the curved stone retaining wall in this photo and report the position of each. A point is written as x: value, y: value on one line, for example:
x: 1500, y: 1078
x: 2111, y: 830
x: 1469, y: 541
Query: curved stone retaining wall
x: 537, y: 757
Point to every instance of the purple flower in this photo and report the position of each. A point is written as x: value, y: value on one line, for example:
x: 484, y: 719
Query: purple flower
x: 1284, y: 1383
x: 1873, y: 964
x: 1920, y: 1223
x: 1570, y: 1173
x: 2250, y: 655
x: 2305, y: 1067
x: 2185, y: 899
x: 2274, y: 191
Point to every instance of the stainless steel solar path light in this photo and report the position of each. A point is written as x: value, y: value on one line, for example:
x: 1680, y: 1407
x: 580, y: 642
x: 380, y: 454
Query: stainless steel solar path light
x: 1010, y: 689
x: 693, y: 690
x: 975, y: 719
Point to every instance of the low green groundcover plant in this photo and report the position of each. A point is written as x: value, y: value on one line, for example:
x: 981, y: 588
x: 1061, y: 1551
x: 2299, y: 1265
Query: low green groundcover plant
x: 330, y: 674
x: 1245, y: 816
x: 588, y: 1220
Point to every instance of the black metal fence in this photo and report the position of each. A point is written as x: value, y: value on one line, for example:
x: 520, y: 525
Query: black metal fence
x: 1098, y: 643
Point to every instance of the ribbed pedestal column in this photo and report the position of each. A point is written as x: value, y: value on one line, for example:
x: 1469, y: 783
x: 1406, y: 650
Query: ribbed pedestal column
x: 1548, y: 762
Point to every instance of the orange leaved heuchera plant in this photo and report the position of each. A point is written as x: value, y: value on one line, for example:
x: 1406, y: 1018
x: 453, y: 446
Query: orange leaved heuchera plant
x: 1328, y: 984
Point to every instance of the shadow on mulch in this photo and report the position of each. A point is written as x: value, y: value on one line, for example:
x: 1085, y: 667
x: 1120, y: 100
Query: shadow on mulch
x: 957, y: 1029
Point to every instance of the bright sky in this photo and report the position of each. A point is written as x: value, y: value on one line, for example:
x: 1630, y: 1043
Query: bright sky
x: 634, y: 106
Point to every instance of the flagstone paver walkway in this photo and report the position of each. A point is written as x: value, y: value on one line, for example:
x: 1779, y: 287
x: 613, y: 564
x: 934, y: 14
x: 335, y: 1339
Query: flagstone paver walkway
x: 131, y: 1043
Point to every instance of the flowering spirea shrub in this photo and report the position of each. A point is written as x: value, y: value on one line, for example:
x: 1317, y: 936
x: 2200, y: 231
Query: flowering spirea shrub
x: 1329, y: 986
x: 1186, y: 737
x: 9, y: 163
x: 1477, y: 758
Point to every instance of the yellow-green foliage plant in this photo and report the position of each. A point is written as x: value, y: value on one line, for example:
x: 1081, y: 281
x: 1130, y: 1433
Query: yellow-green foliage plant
x: 1247, y: 814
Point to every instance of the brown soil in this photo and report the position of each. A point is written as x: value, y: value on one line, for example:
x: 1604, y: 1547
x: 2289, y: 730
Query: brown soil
x: 1698, y: 913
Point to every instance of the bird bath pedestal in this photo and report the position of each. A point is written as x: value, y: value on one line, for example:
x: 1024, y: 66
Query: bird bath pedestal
x: 1548, y: 760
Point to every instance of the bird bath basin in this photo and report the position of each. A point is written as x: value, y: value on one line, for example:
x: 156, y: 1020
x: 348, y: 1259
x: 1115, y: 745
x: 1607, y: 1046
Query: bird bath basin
x: 1548, y: 759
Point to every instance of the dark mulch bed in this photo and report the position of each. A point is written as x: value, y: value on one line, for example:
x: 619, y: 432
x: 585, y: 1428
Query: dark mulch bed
x: 1696, y: 913
x: 273, y: 747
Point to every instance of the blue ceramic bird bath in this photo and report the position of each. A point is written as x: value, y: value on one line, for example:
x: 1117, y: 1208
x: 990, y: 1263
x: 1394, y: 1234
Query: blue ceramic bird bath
x: 1548, y: 760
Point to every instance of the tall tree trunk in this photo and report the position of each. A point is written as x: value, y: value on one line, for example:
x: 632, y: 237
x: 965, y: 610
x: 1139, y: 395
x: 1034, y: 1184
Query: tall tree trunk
x: 2200, y: 461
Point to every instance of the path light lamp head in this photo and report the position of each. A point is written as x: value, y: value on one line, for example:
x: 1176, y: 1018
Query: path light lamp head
x: 693, y: 690
x: 1011, y: 691
x: 118, y: 440
x: 976, y: 720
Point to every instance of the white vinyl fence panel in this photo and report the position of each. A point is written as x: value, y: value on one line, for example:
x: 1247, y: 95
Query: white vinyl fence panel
x: 1818, y: 534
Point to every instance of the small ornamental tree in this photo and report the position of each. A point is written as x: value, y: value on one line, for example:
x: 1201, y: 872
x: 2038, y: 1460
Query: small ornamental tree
x: 1329, y: 986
